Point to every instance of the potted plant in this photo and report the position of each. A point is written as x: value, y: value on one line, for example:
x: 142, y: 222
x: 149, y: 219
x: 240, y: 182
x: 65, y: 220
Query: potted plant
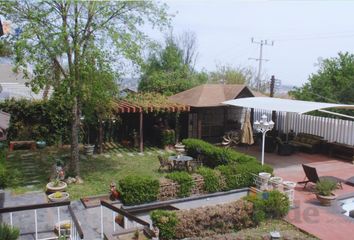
x: 58, y: 196
x: 56, y: 186
x: 324, y: 191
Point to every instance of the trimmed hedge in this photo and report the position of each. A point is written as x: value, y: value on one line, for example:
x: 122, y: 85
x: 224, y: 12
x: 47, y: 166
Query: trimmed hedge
x: 213, y: 155
x: 241, y: 175
x: 185, y: 182
x: 211, y: 179
x: 203, y: 221
x: 138, y: 189
x: 166, y: 221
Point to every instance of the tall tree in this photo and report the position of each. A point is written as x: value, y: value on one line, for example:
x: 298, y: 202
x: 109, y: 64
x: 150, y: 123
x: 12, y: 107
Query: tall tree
x: 64, y: 32
x: 333, y: 82
x: 231, y: 75
x: 166, y: 71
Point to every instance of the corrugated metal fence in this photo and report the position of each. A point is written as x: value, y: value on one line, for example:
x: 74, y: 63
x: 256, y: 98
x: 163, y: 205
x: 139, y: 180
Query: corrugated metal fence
x: 333, y: 130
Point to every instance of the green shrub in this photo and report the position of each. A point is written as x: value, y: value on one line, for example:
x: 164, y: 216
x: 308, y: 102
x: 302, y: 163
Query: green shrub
x: 218, y: 219
x: 138, y: 189
x: 241, y: 175
x: 213, y: 155
x: 38, y: 120
x: 325, y: 187
x: 211, y: 179
x: 166, y: 221
x: 8, y: 233
x: 168, y: 137
x: 8, y: 178
x: 185, y: 182
x: 273, y: 204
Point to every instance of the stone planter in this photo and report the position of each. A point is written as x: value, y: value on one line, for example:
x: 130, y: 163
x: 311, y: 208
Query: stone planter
x: 264, y: 179
x: 63, y: 196
x: 276, y: 182
x: 326, y: 200
x: 288, y: 185
x: 89, y: 149
x: 41, y: 144
x: 59, y: 188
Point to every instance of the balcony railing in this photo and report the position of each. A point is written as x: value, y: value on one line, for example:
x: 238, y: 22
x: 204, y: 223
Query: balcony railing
x: 75, y: 232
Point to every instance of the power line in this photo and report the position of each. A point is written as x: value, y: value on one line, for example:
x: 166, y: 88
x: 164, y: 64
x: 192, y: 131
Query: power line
x: 260, y: 59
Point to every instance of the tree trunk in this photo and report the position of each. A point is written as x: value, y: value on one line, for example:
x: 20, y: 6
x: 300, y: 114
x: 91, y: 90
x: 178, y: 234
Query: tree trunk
x: 74, y: 164
x: 100, y: 136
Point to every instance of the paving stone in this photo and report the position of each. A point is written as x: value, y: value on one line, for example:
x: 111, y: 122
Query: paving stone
x: 119, y: 155
x: 141, y: 154
x: 130, y: 154
x: 107, y: 155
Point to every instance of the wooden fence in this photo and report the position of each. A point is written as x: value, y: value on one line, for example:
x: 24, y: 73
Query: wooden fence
x: 333, y: 130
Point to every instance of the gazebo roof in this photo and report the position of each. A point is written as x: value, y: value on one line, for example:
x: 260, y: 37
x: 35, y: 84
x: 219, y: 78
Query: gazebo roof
x: 211, y: 95
x: 147, y: 102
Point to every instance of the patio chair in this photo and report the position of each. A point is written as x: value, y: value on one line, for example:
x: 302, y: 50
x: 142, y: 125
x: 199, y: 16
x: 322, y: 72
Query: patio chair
x: 312, y: 176
x: 164, y: 162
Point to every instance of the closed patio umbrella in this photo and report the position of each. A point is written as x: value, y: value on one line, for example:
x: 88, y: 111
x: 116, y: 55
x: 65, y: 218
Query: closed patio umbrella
x: 247, y: 132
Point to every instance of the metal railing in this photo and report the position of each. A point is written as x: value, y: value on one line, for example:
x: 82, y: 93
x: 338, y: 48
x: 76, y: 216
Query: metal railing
x: 75, y: 232
x: 141, y: 224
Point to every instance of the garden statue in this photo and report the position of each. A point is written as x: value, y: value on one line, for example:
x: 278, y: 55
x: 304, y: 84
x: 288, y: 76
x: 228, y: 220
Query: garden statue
x: 114, y: 194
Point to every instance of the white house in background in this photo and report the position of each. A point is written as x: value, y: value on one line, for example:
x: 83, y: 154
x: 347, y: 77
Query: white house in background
x: 12, y: 85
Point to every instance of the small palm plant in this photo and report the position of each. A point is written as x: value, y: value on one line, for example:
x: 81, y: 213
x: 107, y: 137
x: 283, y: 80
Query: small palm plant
x: 8, y: 233
x: 324, y: 191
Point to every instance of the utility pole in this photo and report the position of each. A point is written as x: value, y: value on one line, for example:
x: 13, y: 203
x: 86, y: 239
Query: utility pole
x: 260, y: 59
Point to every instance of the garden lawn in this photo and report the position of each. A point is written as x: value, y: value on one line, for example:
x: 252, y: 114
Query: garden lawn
x: 261, y: 232
x: 97, y: 172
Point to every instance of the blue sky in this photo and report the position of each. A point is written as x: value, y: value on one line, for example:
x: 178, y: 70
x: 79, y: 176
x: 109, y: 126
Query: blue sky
x: 303, y: 31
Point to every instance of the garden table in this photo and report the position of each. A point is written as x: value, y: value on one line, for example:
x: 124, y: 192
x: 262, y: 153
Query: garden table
x: 181, y: 160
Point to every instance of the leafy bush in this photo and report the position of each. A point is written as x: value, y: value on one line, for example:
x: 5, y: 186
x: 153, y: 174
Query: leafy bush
x: 8, y: 178
x: 213, y: 155
x: 325, y: 187
x: 211, y: 179
x: 166, y: 221
x: 185, y: 182
x: 138, y: 189
x: 241, y: 175
x: 206, y: 221
x: 273, y: 204
x: 8, y: 233
x: 168, y: 137
x: 38, y: 120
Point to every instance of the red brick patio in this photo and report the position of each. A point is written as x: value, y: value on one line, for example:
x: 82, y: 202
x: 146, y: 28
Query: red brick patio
x: 322, y: 222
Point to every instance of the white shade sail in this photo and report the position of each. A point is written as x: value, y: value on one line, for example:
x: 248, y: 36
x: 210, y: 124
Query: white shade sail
x: 283, y: 105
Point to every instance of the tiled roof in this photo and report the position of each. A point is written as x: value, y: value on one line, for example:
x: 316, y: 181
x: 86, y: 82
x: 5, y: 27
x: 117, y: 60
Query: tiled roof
x: 210, y: 95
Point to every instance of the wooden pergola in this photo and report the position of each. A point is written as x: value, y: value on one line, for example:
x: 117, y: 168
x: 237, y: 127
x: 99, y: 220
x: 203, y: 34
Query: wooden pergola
x: 146, y: 103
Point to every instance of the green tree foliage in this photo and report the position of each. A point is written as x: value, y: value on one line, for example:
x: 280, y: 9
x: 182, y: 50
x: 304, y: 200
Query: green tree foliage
x: 333, y: 82
x: 231, y: 75
x: 69, y: 39
x: 168, y: 71
x: 5, y: 48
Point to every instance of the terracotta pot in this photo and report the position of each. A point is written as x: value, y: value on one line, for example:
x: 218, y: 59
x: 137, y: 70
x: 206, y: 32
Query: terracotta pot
x: 326, y: 200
